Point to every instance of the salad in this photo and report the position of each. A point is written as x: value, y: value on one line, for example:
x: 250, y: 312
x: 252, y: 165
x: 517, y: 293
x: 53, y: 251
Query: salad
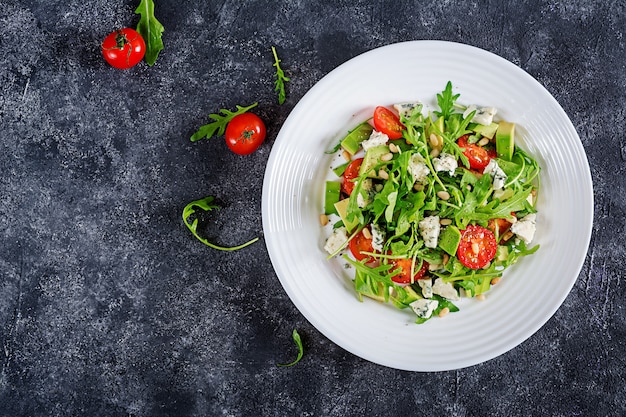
x: 430, y: 206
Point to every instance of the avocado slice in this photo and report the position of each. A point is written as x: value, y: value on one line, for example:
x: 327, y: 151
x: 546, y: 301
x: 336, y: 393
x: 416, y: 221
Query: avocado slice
x: 487, y: 131
x: 353, y: 139
x: 449, y: 239
x: 331, y: 196
x: 505, y: 140
x: 342, y: 209
x: 371, y: 159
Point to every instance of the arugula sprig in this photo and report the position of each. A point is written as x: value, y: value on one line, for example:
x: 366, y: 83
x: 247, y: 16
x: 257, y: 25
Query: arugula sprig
x: 298, y: 341
x: 219, y: 123
x: 281, y: 78
x: 151, y: 30
x: 206, y: 204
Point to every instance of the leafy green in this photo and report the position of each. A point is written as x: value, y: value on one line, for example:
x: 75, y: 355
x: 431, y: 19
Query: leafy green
x: 281, y: 78
x: 296, y: 338
x: 151, y: 30
x: 446, y: 101
x: 218, y: 126
x: 206, y: 204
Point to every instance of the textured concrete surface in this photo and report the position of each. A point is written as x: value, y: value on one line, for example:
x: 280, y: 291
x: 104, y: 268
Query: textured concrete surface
x: 109, y: 307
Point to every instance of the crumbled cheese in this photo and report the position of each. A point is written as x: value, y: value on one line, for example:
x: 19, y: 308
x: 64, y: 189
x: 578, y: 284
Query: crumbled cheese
x: 376, y: 139
x: 429, y: 228
x: 378, y: 237
x: 365, y: 195
x: 483, y: 116
x: 427, y: 287
x: 424, y: 308
x: 418, y: 168
x: 445, y: 289
x: 525, y: 227
x: 405, y: 109
x: 445, y: 162
x: 498, y: 176
x: 336, y: 241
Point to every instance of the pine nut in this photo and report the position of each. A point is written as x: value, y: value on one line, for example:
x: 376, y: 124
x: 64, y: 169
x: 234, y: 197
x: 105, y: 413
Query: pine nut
x: 387, y: 157
x: 323, y: 219
x: 446, y: 258
x: 440, y: 139
x: 366, y: 233
x: 434, y: 153
x: 393, y: 148
x: 444, y: 312
x: 444, y: 195
x: 483, y: 141
x: 434, y: 141
x: 346, y: 155
x: 383, y: 174
x: 512, y: 220
x: 475, y: 248
x: 445, y: 222
x: 418, y: 187
x: 495, y: 280
x: 480, y: 297
x: 507, y: 235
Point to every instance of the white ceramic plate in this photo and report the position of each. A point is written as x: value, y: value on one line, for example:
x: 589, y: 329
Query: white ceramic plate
x: 530, y: 292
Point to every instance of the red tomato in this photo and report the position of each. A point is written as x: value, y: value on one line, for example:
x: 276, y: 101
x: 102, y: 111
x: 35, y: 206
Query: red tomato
x: 477, y: 247
x: 123, y: 48
x: 477, y: 155
x: 385, y: 121
x: 245, y: 133
x: 360, y: 243
x: 351, y: 172
x: 404, y: 276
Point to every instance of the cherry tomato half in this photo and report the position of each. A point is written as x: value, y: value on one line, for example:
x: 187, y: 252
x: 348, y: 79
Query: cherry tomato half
x: 478, y: 156
x: 245, y: 133
x: 360, y: 243
x: 477, y: 247
x: 123, y: 48
x: 386, y: 121
x: 404, y: 276
x: 351, y: 172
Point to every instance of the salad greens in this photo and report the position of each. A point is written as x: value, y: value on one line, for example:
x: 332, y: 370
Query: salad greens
x: 205, y: 205
x: 417, y: 198
x: 281, y: 78
x: 150, y: 30
x: 296, y: 338
x: 219, y: 123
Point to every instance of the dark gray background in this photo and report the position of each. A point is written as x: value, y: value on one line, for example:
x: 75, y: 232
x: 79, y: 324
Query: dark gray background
x: 108, y: 305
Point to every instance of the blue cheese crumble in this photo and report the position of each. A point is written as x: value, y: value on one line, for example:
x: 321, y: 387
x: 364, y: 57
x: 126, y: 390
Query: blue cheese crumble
x: 525, y: 227
x: 446, y: 163
x: 336, y: 241
x: 405, y: 109
x: 445, y: 289
x: 483, y: 116
x: 375, y: 139
x: 498, y: 176
x: 429, y: 228
x: 418, y: 168
x: 424, y: 308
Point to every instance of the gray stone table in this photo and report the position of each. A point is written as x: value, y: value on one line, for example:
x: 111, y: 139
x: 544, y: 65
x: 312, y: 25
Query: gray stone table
x: 108, y: 305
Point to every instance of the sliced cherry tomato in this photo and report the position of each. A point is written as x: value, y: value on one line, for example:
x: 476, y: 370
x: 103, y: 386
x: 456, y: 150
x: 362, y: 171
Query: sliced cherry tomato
x: 477, y: 247
x: 404, y: 276
x: 477, y: 155
x: 359, y: 244
x: 245, y: 133
x: 386, y: 121
x: 123, y: 48
x: 351, y: 172
x: 498, y: 226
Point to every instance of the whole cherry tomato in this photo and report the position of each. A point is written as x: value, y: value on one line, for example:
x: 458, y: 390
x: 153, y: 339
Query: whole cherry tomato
x: 123, y: 48
x: 404, y: 276
x: 477, y: 247
x: 245, y: 133
x: 351, y: 172
x: 386, y: 121
x: 478, y: 156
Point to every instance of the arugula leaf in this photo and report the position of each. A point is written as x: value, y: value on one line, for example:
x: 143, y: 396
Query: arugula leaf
x: 206, y: 204
x: 446, y: 101
x: 281, y: 79
x: 219, y: 122
x: 150, y: 30
x: 296, y: 338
